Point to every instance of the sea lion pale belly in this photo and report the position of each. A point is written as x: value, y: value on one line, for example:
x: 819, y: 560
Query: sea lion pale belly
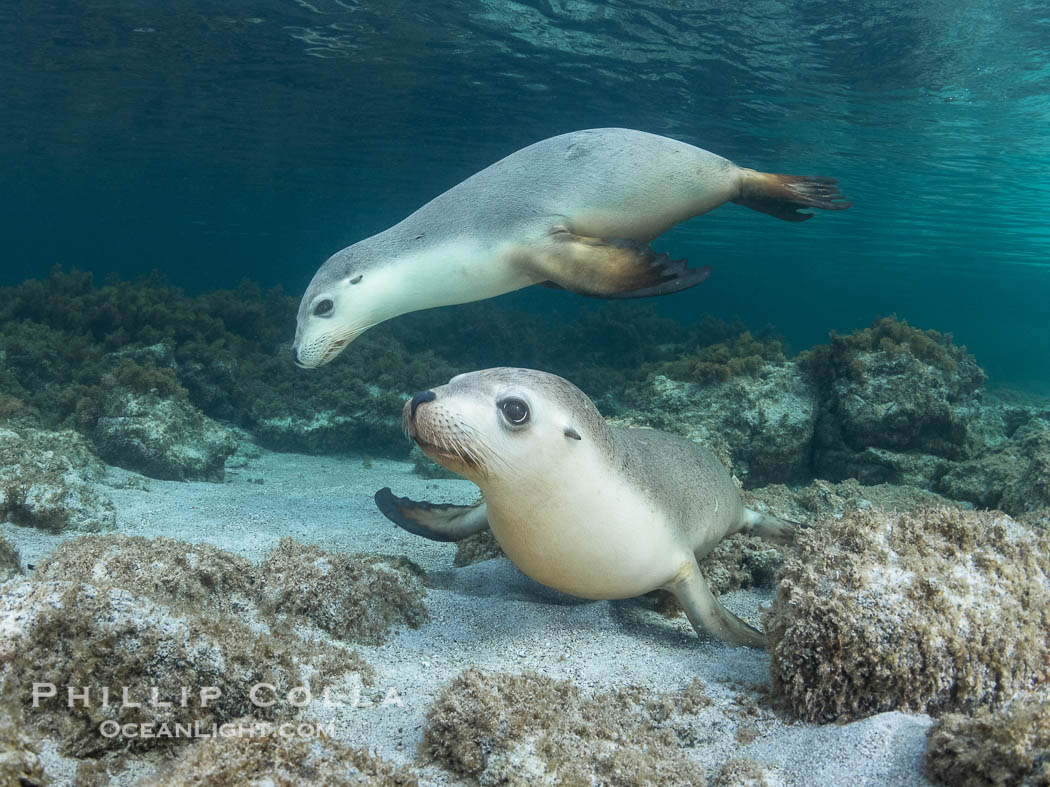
x: 585, y: 508
x: 576, y: 211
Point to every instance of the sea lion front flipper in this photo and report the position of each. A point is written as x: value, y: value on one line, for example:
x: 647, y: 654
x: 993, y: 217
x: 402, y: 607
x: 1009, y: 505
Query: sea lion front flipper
x: 786, y: 196
x: 706, y: 612
x: 602, y: 268
x: 436, y: 521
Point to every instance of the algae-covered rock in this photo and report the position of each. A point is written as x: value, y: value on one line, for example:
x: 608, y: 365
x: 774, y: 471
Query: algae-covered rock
x: 353, y: 597
x: 931, y: 611
x: 766, y: 419
x: 1015, y: 478
x: 1005, y: 748
x: 77, y: 635
x: 531, y: 729
x: 48, y: 480
x: 742, y: 772
x: 741, y: 561
x: 277, y: 760
x: 476, y: 548
x: 109, y: 612
x: 895, y: 388
x: 165, y: 438
x: 19, y: 757
x: 822, y: 499
x: 193, y: 576
x: 10, y: 560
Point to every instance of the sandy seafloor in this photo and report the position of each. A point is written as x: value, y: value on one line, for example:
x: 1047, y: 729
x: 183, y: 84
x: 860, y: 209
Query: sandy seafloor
x: 491, y: 616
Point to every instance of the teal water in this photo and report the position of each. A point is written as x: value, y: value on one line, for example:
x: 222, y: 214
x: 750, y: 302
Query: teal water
x: 221, y: 140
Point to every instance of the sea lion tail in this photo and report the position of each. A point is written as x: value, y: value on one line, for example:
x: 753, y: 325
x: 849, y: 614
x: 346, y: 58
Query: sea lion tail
x: 787, y: 196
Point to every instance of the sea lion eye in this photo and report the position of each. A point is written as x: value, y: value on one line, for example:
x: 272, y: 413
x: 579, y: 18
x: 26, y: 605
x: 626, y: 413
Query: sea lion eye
x: 356, y: 278
x: 323, y: 307
x: 514, y: 410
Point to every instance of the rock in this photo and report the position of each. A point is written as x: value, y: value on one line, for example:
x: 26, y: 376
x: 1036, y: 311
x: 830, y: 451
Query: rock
x: 153, y: 616
x: 1010, y: 746
x: 930, y: 611
x: 1015, y: 478
x: 278, y: 760
x: 166, y: 438
x: 353, y: 597
x: 49, y: 480
x: 19, y: 756
x: 375, y: 427
x: 532, y: 729
x: 10, y: 560
x: 169, y: 572
x: 765, y: 420
x: 77, y: 635
x: 822, y: 499
x: 476, y: 548
x: 894, y: 388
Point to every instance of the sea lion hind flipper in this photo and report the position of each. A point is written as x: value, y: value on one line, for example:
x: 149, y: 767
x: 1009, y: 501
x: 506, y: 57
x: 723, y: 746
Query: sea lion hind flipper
x: 770, y: 528
x: 706, y: 612
x: 787, y: 196
x: 603, y: 268
x: 436, y: 521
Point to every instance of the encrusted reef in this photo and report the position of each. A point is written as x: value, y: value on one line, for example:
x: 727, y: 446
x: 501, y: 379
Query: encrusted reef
x: 1014, y: 478
x: 896, y: 402
x: 10, y: 560
x: 48, y: 480
x: 935, y: 610
x: 159, y: 615
x: 19, y: 759
x: 354, y: 598
x: 1005, y: 748
x: 531, y: 729
x: 742, y: 399
x: 278, y: 761
x: 163, y: 438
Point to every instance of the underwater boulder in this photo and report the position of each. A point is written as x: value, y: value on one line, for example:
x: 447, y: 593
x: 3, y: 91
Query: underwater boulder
x: 501, y: 728
x: 49, y: 480
x: 113, y: 640
x: 822, y: 499
x: 764, y: 418
x: 10, y: 560
x: 166, y: 438
x: 163, y: 570
x: 353, y: 597
x: 1015, y: 478
x: 280, y: 761
x: 19, y: 753
x: 1010, y: 746
x: 902, y: 391
x: 930, y: 611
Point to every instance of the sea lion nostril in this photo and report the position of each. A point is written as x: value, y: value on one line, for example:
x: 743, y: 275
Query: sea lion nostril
x: 295, y: 355
x: 420, y: 398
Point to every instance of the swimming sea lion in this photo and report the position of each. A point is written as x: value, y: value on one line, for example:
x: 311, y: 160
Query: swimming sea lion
x: 585, y: 508
x: 576, y: 211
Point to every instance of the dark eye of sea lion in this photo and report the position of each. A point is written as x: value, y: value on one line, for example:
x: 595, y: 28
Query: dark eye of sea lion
x: 323, y: 307
x: 356, y: 279
x: 514, y: 410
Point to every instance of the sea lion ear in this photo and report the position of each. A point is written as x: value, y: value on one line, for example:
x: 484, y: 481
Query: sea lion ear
x: 570, y: 432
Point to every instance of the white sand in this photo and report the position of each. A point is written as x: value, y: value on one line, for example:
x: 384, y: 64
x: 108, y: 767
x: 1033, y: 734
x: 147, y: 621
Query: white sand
x: 491, y: 616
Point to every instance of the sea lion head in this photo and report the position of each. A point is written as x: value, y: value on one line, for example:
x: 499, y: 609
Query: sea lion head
x: 503, y: 423
x: 347, y: 296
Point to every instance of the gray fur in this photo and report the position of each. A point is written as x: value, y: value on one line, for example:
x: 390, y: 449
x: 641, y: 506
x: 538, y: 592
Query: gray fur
x: 525, y: 194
